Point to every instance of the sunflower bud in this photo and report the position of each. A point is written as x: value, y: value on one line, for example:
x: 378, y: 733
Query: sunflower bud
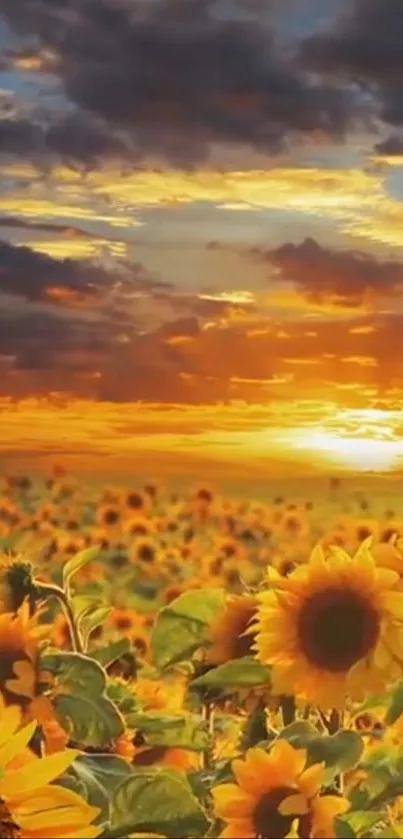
x: 16, y: 583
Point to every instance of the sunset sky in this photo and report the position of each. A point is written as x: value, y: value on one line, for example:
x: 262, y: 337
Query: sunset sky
x: 201, y: 234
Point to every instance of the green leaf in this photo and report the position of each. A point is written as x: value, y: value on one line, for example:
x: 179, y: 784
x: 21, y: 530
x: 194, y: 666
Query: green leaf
x: 362, y: 821
x: 108, y: 655
x: 339, y: 751
x: 158, y: 801
x: 83, y: 604
x: 396, y: 706
x: 123, y: 698
x: 241, y: 673
x: 181, y: 627
x: 343, y: 830
x: 81, y: 706
x: 185, y: 732
x: 90, y: 622
x: 97, y: 778
x: 77, y: 562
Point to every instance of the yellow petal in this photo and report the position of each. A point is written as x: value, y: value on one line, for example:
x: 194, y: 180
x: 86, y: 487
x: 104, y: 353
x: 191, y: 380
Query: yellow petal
x: 47, y: 769
x: 68, y: 817
x: 290, y: 762
x: 52, y: 798
x: 10, y: 721
x: 294, y: 805
x: 15, y: 745
x: 392, y: 601
x: 311, y: 780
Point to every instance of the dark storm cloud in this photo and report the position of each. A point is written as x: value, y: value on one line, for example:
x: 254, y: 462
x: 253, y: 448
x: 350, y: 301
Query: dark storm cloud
x: 74, y: 138
x: 393, y: 145
x: 31, y: 275
x: 177, y: 78
x: 46, y: 227
x: 365, y: 47
x: 345, y: 277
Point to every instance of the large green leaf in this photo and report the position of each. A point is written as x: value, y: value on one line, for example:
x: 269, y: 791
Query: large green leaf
x: 181, y: 627
x: 123, y: 698
x: 96, y: 778
x: 185, y: 732
x: 343, y: 830
x: 83, y: 604
x: 108, y: 655
x: 339, y: 751
x: 158, y: 801
x: 243, y: 672
x: 77, y: 562
x: 362, y: 821
x: 81, y: 705
x: 89, y: 622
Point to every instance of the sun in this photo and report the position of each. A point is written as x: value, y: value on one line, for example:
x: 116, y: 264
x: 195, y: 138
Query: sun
x: 364, y: 440
x: 360, y: 453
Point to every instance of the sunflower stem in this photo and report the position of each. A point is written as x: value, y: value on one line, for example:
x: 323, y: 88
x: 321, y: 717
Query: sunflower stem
x: 335, y: 721
x: 288, y: 709
x: 208, y: 711
x: 47, y: 590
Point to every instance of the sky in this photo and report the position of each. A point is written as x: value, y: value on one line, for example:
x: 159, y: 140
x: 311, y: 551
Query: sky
x: 201, y: 233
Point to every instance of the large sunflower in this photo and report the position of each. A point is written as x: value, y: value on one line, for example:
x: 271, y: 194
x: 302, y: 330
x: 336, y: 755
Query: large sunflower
x: 229, y: 638
x: 30, y: 806
x: 275, y: 794
x: 332, y: 629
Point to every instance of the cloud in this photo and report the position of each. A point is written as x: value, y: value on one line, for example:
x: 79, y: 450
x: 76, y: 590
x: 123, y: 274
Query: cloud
x: 74, y: 138
x: 345, y: 278
x: 364, y: 46
x: 393, y: 145
x: 176, y: 78
x: 35, y: 276
x: 65, y: 230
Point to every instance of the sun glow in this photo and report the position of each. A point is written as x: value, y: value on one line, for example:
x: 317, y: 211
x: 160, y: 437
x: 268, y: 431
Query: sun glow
x: 363, y: 440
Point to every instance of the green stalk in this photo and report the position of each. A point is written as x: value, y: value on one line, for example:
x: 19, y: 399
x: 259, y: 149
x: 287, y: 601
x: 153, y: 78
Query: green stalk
x: 47, y: 590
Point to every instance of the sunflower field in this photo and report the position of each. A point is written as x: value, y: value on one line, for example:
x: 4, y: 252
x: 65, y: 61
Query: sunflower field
x: 194, y: 665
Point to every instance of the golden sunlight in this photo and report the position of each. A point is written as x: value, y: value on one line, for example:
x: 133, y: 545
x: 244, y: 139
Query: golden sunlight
x: 363, y: 440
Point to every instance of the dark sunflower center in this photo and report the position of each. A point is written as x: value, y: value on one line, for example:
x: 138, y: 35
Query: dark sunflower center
x: 111, y: 517
x: 123, y: 622
x: 337, y: 628
x: 8, y: 828
x: 140, y: 645
x: 267, y: 821
x: 134, y: 501
x: 146, y: 553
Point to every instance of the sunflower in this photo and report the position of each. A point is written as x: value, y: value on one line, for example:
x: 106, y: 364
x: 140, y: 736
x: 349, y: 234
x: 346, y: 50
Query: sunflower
x: 20, y: 679
x: 125, y: 620
x: 136, y: 501
x: 138, y: 525
x: 228, y: 634
x: 332, y: 628
x: 109, y: 516
x: 156, y: 695
x: 274, y: 793
x: 144, y: 552
x: 30, y: 805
